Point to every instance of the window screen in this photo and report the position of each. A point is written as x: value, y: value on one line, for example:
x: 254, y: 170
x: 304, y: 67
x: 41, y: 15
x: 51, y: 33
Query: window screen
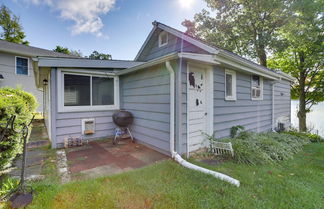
x: 21, y: 66
x: 76, y: 90
x: 102, y: 91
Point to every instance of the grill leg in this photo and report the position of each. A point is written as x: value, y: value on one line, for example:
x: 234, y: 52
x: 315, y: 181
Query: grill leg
x: 130, y: 134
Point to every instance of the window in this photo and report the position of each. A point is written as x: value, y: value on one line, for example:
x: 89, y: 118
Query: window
x: 21, y: 66
x: 163, y: 39
x: 81, y: 92
x: 257, y: 87
x: 230, y: 85
x: 76, y: 90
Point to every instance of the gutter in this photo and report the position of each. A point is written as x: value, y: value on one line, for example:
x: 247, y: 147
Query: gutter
x: 174, y: 154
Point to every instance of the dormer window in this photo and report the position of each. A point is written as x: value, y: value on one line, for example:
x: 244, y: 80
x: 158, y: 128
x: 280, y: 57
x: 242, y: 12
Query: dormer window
x: 163, y: 39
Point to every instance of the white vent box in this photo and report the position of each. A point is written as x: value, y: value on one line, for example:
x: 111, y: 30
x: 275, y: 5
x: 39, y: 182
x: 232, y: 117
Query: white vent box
x: 88, y: 126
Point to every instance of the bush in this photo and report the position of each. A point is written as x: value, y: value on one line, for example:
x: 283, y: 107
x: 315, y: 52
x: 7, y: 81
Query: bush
x: 7, y: 185
x: 307, y: 136
x: 19, y: 103
x: 255, y: 149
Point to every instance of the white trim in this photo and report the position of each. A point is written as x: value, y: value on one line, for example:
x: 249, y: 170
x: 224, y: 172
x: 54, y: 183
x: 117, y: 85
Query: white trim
x: 83, y: 121
x: 152, y: 62
x: 160, y: 38
x: 210, y: 100
x: 172, y: 102
x: 209, y: 76
x: 233, y: 74
x: 27, y: 65
x: 187, y: 113
x: 203, y: 58
x: 261, y: 88
x: 60, y: 89
x: 239, y: 66
x: 185, y: 37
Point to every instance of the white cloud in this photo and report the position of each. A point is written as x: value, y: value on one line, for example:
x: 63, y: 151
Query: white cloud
x: 84, y: 13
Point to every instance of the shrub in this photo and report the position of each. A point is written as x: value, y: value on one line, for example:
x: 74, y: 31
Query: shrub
x: 7, y: 185
x: 19, y: 103
x: 254, y: 149
x: 307, y: 136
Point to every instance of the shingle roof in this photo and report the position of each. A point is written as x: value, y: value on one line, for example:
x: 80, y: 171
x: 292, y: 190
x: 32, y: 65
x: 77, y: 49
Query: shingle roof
x: 86, y: 63
x: 21, y: 49
x: 207, y: 45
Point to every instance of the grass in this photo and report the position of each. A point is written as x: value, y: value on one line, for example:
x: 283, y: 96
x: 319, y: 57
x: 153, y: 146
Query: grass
x: 295, y: 183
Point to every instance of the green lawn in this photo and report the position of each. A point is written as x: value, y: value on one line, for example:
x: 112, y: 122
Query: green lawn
x: 297, y: 183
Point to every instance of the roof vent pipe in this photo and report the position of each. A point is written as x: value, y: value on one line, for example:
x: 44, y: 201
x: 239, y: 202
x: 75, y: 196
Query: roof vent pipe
x: 174, y: 154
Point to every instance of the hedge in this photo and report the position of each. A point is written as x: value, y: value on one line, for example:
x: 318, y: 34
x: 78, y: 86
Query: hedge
x: 23, y: 105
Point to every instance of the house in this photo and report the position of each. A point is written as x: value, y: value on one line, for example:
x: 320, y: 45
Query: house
x: 177, y: 88
x: 17, y: 67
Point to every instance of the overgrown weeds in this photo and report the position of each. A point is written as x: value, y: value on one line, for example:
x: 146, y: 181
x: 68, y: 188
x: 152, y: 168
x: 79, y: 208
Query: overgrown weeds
x: 262, y: 148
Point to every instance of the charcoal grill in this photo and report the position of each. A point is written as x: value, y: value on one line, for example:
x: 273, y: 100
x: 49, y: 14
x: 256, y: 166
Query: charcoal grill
x: 123, y: 120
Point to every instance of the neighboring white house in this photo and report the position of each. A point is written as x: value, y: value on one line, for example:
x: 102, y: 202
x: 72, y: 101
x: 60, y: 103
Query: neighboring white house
x: 17, y: 68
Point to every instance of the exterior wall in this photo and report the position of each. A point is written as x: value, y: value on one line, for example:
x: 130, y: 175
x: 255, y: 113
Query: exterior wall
x: 8, y: 70
x: 152, y: 49
x: 146, y: 94
x: 254, y: 115
x: 69, y: 124
x: 282, y: 101
x: 66, y: 124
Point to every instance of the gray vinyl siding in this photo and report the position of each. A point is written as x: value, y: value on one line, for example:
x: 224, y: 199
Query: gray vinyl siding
x: 11, y: 79
x: 146, y: 94
x: 254, y: 115
x: 175, y: 44
x: 282, y: 100
x: 69, y: 124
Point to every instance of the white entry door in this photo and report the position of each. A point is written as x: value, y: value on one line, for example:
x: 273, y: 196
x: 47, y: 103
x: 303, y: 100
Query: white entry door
x: 197, y: 107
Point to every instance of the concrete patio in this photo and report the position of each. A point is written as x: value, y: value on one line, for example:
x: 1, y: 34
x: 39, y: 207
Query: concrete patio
x: 102, y: 158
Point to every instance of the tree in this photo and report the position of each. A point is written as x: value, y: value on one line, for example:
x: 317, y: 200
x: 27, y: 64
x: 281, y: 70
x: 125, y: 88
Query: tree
x: 302, y: 57
x: 12, y: 29
x: 100, y: 56
x: 248, y: 28
x: 68, y: 51
x: 62, y: 49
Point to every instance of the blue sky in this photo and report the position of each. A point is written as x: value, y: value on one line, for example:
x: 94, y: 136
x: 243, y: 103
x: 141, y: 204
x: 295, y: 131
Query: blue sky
x: 118, y: 27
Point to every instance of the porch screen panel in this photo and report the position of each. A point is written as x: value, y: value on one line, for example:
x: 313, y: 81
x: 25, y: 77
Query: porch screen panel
x: 76, y: 90
x: 102, y: 91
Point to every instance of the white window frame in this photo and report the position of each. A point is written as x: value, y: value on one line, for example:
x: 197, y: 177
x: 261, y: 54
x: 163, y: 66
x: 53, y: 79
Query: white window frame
x: 261, y: 88
x: 16, y: 65
x: 60, y: 89
x: 233, y: 74
x: 160, y: 38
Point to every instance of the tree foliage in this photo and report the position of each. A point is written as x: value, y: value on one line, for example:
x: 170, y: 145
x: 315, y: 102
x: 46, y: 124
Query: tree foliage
x: 68, y: 51
x: 100, y: 56
x: 302, y: 57
x: 248, y: 28
x: 12, y: 29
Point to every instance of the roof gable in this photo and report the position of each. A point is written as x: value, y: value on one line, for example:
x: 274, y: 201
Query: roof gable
x: 176, y: 43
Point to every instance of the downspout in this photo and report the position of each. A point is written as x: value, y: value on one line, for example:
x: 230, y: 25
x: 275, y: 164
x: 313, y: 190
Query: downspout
x: 174, y: 154
x: 272, y: 106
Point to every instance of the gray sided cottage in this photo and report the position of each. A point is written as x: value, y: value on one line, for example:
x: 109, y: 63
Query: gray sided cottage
x: 177, y: 88
x: 17, y: 67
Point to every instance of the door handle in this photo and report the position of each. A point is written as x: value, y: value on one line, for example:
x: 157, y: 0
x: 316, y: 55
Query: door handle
x: 205, y: 113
